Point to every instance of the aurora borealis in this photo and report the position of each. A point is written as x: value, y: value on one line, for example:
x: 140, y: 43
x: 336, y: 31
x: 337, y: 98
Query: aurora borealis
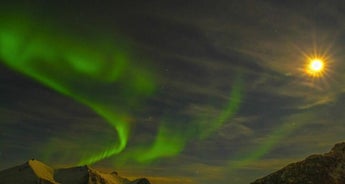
x: 179, y: 92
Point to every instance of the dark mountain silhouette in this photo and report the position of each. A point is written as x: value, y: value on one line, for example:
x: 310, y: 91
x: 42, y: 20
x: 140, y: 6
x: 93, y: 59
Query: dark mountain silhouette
x: 328, y: 168
x: 36, y: 172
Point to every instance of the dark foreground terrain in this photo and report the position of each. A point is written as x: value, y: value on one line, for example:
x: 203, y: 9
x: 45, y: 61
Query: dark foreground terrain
x: 36, y: 172
x: 328, y: 168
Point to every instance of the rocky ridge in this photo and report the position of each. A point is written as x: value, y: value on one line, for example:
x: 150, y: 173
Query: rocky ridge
x: 328, y: 168
x: 36, y: 172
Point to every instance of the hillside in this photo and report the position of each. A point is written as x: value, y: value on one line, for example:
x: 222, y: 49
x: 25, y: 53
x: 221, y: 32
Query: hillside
x: 328, y: 168
x: 36, y: 172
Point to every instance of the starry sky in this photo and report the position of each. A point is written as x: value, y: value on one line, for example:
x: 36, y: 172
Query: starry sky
x: 176, y: 91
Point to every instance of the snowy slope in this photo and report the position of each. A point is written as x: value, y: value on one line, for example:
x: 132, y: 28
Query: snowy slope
x: 31, y: 172
x: 36, y: 172
x: 85, y: 174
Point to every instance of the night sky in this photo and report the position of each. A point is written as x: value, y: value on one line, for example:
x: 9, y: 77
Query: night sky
x: 176, y: 91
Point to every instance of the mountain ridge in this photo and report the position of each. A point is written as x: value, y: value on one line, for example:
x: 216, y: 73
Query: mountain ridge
x: 315, y: 169
x: 36, y: 172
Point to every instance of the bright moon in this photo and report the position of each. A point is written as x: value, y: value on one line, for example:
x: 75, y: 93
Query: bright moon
x: 315, y: 67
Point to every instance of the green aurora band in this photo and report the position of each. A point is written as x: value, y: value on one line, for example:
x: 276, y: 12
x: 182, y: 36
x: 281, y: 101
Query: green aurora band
x: 75, y: 69
x: 173, y: 134
x: 270, y: 141
x: 171, y: 138
x: 80, y: 67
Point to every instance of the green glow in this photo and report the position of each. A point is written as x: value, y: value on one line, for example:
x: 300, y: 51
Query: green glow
x: 236, y: 96
x: 87, y: 69
x: 122, y: 129
x: 172, y: 139
x: 263, y: 148
x: 270, y: 141
x: 80, y: 70
x: 167, y: 143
